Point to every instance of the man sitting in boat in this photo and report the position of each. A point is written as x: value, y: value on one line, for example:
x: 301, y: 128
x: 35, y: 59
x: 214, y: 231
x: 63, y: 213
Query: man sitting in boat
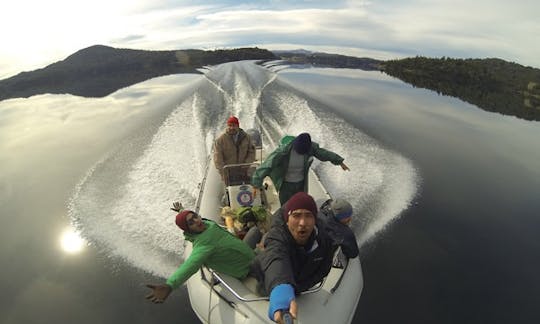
x: 213, y: 246
x: 336, y: 214
x: 295, y: 256
x: 234, y: 146
x: 289, y: 163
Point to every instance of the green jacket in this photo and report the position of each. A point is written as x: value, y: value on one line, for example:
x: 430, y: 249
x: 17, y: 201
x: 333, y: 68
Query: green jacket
x: 276, y: 164
x: 217, y: 249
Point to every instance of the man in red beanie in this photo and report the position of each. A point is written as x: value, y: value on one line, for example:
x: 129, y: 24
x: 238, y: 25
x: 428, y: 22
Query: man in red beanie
x: 234, y: 146
x: 288, y: 165
x: 296, y: 255
x: 213, y: 246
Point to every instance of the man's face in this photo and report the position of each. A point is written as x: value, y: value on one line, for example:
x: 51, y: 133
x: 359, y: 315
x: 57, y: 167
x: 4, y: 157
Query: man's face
x: 195, y: 223
x: 301, y: 223
x: 232, y: 128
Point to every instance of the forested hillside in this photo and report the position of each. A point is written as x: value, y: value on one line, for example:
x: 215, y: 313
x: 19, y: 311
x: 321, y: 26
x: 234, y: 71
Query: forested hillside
x: 491, y: 84
x: 99, y: 70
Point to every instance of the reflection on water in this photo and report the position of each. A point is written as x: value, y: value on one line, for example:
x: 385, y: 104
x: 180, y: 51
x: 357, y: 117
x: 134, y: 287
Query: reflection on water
x: 47, y: 143
x: 71, y: 241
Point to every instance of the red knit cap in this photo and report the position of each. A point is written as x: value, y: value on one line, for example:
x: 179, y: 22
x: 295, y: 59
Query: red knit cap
x: 181, y: 219
x: 233, y: 120
x: 299, y: 200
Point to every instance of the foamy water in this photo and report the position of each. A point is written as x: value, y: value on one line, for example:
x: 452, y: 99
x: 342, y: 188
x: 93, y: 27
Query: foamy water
x: 122, y: 205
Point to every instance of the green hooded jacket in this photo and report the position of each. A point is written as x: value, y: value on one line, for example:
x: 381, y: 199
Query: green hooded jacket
x: 276, y: 164
x: 216, y: 248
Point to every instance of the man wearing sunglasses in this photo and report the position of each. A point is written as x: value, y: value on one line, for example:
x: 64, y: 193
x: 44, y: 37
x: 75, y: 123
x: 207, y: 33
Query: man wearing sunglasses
x: 213, y: 246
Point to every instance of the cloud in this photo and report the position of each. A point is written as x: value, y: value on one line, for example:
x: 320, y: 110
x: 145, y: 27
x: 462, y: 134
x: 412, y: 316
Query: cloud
x: 54, y: 29
x: 128, y: 39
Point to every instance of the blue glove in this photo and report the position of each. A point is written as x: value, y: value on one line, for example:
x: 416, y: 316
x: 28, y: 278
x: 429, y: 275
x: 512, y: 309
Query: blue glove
x: 280, y: 299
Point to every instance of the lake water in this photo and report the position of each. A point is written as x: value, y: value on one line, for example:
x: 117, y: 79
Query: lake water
x: 446, y: 194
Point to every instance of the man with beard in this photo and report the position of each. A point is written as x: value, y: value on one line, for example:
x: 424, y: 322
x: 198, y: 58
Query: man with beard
x: 234, y: 146
x: 296, y: 255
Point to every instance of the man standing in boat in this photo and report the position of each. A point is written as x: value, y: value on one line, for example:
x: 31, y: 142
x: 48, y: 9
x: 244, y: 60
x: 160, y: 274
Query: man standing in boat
x: 213, y: 246
x: 234, y: 146
x: 289, y: 163
x: 296, y: 255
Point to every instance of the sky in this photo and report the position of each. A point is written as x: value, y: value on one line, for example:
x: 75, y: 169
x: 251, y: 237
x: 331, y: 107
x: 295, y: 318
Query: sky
x: 36, y: 33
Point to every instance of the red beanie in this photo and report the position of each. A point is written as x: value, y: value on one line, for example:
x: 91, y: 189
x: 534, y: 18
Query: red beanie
x: 233, y: 120
x: 299, y: 200
x: 181, y: 219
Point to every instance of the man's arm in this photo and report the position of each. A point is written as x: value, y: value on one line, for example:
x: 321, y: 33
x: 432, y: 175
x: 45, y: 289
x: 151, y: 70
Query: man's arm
x: 349, y: 245
x: 275, y: 261
x: 278, y: 276
x: 218, y: 155
x: 262, y: 171
x: 193, y: 263
x: 160, y: 292
x: 327, y: 155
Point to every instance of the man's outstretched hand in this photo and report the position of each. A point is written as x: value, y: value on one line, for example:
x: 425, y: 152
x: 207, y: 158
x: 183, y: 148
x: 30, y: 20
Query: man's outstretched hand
x: 279, y: 316
x: 159, y: 293
x: 177, y: 207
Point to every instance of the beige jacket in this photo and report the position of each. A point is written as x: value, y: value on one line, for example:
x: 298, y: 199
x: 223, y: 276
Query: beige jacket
x: 227, y: 152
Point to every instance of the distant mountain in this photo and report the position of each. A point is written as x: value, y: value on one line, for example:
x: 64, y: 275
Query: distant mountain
x: 99, y: 70
x: 491, y: 84
x: 328, y: 60
x: 300, y: 51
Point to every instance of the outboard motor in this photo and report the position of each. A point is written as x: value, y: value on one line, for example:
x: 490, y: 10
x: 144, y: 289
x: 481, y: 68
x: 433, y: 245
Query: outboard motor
x: 255, y: 137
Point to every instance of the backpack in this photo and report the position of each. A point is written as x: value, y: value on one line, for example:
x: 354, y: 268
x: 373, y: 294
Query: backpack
x: 251, y: 214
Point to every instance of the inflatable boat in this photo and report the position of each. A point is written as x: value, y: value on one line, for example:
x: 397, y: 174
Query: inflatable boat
x: 218, y: 298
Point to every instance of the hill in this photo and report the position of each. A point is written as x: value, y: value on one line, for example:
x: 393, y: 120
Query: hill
x: 491, y: 84
x: 99, y: 70
x: 328, y: 60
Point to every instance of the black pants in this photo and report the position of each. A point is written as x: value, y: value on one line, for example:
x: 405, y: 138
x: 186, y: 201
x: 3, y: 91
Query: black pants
x: 288, y: 189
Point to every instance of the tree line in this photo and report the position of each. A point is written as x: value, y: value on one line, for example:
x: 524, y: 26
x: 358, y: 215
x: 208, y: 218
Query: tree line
x: 491, y: 84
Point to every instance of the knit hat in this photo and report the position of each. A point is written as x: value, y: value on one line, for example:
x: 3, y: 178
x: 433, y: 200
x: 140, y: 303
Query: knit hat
x: 233, y: 120
x: 341, y: 209
x: 302, y: 143
x: 299, y: 200
x: 181, y: 219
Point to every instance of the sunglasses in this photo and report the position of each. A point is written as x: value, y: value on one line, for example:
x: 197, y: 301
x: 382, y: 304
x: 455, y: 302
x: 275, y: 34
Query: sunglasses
x: 193, y: 219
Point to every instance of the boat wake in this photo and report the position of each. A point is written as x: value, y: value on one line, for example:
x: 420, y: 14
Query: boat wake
x: 122, y: 205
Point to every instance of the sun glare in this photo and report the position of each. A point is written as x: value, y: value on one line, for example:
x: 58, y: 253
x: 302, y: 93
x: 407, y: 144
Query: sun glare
x: 71, y: 241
